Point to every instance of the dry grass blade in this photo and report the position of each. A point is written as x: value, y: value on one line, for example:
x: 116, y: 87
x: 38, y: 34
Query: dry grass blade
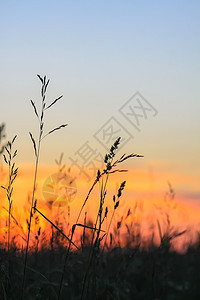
x: 57, y: 128
x: 53, y: 102
x: 13, y: 139
x: 41, y: 79
x: 179, y: 233
x: 8, y: 152
x: 3, y: 187
x: 123, y: 158
x: 160, y: 231
x: 35, y: 109
x: 89, y: 227
x: 15, y: 153
x: 5, y: 159
x: 56, y: 227
x: 34, y: 144
x: 119, y: 170
x: 46, y: 85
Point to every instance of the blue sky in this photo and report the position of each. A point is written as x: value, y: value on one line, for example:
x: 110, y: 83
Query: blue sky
x: 98, y: 54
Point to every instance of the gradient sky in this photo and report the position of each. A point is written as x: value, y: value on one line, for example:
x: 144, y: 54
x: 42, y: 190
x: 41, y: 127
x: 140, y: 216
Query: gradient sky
x: 98, y: 54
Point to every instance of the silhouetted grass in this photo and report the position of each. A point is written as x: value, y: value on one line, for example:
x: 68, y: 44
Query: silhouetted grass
x: 57, y: 267
x: 121, y: 273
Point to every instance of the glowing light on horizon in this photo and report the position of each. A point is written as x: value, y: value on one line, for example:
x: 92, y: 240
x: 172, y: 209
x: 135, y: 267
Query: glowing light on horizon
x: 145, y: 206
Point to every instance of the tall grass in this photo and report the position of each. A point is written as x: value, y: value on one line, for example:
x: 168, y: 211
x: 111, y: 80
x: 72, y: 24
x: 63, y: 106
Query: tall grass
x: 36, y: 146
x: 12, y: 174
x: 117, y: 269
x: 111, y: 167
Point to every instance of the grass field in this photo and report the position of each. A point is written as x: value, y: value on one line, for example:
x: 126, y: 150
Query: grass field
x: 87, y: 260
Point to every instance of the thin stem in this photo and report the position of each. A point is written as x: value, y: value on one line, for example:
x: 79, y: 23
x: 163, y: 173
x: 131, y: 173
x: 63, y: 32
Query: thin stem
x: 37, y: 154
x: 56, y: 227
x: 108, y: 230
x: 108, y: 170
x: 67, y: 255
x: 65, y: 262
x: 99, y: 216
x: 9, y: 208
x: 95, y: 182
x: 115, y: 207
x: 30, y: 218
x: 102, y: 192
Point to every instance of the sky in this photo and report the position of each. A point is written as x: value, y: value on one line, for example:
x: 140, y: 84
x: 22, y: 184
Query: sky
x: 104, y: 58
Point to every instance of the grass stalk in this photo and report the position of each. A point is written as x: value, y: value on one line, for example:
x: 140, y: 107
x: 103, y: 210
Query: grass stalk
x: 116, y: 205
x: 108, y: 170
x: 12, y: 174
x: 44, y: 85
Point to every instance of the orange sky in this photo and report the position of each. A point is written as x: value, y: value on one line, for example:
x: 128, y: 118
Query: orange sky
x: 144, y: 186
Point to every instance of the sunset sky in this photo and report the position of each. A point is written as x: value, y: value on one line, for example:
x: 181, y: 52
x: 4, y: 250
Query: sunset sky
x: 107, y: 58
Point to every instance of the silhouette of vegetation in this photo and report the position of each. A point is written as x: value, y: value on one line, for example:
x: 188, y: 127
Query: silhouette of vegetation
x: 55, y: 264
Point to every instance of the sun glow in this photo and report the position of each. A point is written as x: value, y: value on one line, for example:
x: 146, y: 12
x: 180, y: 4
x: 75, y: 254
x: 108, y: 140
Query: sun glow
x: 143, y: 206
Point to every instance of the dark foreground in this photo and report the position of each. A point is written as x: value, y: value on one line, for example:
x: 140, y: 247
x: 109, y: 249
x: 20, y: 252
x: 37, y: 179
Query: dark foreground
x: 118, y: 274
